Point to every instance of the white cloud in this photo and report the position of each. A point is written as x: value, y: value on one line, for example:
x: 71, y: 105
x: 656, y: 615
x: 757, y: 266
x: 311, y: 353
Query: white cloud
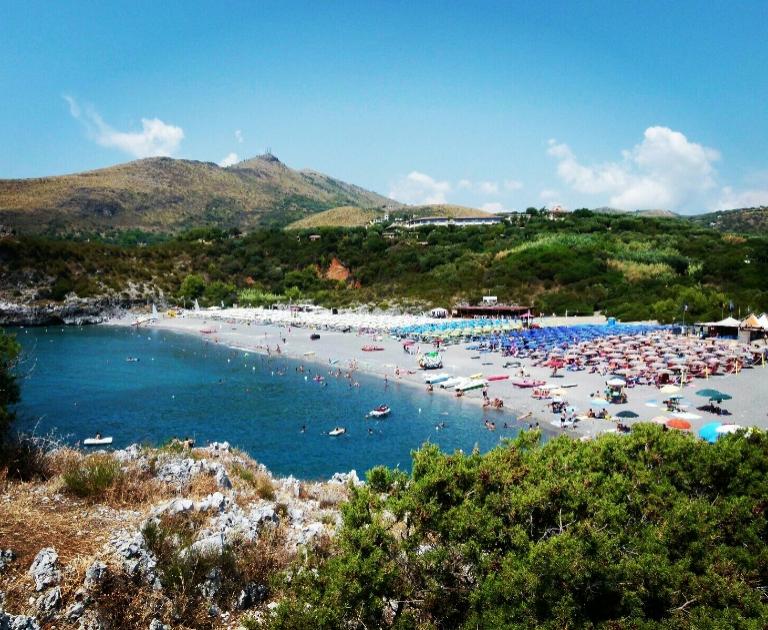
x: 488, y: 188
x: 665, y: 170
x: 420, y: 188
x: 731, y: 199
x: 549, y: 195
x: 512, y: 184
x: 156, y: 138
x: 463, y: 184
x: 229, y: 160
x: 493, y: 206
x: 239, y: 136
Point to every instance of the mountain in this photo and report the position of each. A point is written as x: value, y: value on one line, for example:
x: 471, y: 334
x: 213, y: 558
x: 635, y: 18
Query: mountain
x: 168, y: 195
x: 742, y: 220
x: 351, y: 216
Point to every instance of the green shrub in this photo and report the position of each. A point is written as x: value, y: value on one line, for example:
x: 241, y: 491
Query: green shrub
x: 92, y: 476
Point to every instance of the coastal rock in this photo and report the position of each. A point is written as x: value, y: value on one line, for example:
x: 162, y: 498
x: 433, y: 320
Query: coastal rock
x: 175, y: 506
x: 346, y: 478
x: 209, y: 545
x: 130, y: 453
x: 75, y: 611
x: 17, y: 622
x: 218, y: 447
x: 306, y: 534
x: 95, y: 574
x: 252, y: 595
x: 222, y: 479
x: 156, y: 624
x: 215, y: 502
x: 49, y: 601
x: 45, y: 568
x: 136, y: 559
x: 181, y: 470
x: 72, y: 311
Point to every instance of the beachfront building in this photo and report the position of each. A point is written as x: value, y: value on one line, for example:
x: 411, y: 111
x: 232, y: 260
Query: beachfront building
x: 447, y: 221
x: 746, y: 330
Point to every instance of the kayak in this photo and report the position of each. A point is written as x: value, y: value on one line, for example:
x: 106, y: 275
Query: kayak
x: 337, y: 431
x: 499, y: 377
x: 437, y: 378
x: 450, y: 383
x: 97, y: 441
x: 526, y: 382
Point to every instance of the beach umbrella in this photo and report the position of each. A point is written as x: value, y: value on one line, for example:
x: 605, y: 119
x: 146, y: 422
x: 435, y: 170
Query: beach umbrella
x: 627, y: 414
x: 617, y: 382
x: 720, y: 397
x: 687, y: 415
x: 679, y: 424
x: 709, y: 432
x: 708, y: 393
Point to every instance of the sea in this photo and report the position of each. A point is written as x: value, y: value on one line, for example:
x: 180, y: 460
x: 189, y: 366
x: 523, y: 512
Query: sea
x: 78, y: 381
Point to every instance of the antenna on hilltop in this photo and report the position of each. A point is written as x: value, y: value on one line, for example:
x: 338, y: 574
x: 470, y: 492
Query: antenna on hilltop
x: 269, y: 151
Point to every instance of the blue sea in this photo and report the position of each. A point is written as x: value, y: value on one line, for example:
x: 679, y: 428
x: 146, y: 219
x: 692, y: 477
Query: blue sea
x: 76, y: 382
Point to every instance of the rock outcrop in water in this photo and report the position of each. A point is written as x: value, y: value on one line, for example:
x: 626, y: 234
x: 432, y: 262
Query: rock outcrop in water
x: 157, y: 538
x: 72, y: 311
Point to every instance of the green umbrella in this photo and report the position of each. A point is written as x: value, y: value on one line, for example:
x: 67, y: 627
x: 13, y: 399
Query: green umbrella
x: 721, y: 397
x: 708, y: 393
x: 627, y: 414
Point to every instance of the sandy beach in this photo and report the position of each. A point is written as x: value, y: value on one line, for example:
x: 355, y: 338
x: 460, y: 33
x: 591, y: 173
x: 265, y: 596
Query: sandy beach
x: 343, y: 350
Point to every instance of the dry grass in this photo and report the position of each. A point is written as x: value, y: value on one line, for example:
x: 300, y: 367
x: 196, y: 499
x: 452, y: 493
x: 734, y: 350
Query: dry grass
x: 639, y: 271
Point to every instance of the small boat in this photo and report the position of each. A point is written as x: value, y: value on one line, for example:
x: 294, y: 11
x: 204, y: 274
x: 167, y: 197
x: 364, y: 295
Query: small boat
x: 526, y: 382
x: 97, y: 441
x: 337, y: 431
x: 132, y: 359
x: 372, y: 348
x: 379, y: 412
x: 498, y: 377
x: 314, y: 336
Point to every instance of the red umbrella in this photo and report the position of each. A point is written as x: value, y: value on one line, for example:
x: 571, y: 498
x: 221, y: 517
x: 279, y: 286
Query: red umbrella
x: 678, y: 423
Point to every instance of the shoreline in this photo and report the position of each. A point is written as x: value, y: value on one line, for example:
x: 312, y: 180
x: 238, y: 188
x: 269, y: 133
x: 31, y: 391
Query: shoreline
x: 294, y: 349
x: 240, y: 329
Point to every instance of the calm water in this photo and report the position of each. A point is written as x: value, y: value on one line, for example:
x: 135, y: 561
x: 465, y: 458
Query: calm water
x: 77, y: 382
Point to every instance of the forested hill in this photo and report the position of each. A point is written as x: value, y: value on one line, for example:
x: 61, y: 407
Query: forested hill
x: 169, y: 195
x: 623, y: 265
x: 743, y: 220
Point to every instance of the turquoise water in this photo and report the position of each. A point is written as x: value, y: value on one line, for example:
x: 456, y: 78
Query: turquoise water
x: 76, y: 381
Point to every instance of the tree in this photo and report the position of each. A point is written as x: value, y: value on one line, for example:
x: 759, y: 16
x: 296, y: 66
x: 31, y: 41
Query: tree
x: 192, y: 287
x: 655, y: 529
x: 9, y: 388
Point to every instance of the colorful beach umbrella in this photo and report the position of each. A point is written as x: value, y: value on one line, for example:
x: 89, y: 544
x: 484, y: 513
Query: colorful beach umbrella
x: 627, y: 413
x: 709, y: 432
x: 679, y: 424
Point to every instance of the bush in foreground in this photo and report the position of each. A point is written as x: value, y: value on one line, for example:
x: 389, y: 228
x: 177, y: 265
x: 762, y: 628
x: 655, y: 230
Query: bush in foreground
x: 92, y: 476
x: 651, y: 530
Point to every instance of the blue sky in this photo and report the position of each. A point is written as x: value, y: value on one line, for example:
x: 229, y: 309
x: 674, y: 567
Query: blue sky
x: 502, y: 105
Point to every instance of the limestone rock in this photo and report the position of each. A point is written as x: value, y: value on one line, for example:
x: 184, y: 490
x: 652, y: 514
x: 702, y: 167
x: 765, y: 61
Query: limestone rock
x: 6, y: 557
x: 95, y: 574
x: 17, y: 622
x: 49, y: 601
x: 45, y: 568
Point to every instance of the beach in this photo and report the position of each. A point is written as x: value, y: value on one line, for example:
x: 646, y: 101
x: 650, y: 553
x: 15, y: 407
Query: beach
x: 290, y: 336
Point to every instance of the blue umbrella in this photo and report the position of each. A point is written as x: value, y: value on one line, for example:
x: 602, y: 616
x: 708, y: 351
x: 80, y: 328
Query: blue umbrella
x: 709, y: 432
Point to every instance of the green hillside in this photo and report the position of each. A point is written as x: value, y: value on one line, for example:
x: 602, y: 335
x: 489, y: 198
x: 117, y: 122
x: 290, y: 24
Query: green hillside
x: 744, y: 220
x: 169, y: 195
